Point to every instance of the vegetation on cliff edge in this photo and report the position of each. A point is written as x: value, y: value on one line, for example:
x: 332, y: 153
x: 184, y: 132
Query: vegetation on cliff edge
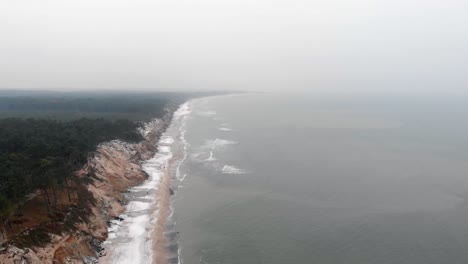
x: 45, y: 139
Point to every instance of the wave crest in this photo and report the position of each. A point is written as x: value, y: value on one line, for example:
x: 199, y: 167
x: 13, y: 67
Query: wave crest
x: 229, y: 169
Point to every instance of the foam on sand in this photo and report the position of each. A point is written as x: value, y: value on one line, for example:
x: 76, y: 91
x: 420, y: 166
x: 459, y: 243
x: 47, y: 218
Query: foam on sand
x: 129, y: 239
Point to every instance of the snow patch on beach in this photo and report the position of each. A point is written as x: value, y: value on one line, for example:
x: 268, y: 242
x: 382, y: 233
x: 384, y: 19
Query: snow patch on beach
x: 164, y: 149
x: 129, y: 239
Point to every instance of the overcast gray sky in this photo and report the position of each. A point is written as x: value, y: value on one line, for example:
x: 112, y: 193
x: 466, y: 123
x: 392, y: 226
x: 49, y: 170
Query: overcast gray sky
x: 326, y: 46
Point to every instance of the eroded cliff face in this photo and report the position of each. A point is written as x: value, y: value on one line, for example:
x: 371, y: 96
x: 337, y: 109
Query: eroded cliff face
x: 110, y: 171
x: 15, y: 255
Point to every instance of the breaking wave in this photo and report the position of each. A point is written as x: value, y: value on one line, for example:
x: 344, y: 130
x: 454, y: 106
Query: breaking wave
x: 211, y: 157
x: 206, y: 113
x: 183, y: 120
x: 229, y: 169
x: 220, y: 143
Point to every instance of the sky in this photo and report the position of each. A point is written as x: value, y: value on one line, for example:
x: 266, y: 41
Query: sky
x: 321, y: 46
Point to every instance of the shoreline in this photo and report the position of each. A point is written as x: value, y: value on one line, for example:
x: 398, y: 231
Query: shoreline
x: 160, y: 234
x: 144, y: 232
x: 160, y: 253
x: 160, y: 241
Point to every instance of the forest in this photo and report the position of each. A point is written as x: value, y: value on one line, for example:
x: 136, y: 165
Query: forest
x: 38, y: 153
x: 45, y: 138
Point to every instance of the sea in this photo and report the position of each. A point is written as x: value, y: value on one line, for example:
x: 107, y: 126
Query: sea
x: 279, y: 179
x: 274, y: 179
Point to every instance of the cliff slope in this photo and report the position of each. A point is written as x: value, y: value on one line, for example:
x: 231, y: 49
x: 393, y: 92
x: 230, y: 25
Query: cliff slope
x: 110, y: 171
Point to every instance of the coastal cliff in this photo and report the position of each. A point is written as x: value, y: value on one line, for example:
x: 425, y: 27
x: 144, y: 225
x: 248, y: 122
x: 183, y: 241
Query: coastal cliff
x: 114, y: 167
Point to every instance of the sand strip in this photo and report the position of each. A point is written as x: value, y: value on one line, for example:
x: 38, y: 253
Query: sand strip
x: 160, y: 243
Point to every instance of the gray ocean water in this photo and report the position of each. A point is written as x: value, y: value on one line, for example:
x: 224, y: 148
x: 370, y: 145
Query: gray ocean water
x: 285, y: 179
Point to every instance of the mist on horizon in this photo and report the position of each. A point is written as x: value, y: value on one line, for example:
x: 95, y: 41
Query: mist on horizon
x: 324, y: 47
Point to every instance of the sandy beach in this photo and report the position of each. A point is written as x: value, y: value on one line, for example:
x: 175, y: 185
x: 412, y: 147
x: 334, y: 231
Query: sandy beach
x: 160, y: 242
x: 140, y: 235
x: 159, y: 239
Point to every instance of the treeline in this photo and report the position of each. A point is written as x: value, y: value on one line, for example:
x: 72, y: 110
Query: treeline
x: 115, y: 105
x: 37, y: 154
x: 60, y: 107
x: 43, y: 153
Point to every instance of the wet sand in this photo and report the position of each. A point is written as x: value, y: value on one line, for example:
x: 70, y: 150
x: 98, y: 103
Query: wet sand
x: 159, y: 239
x: 160, y: 242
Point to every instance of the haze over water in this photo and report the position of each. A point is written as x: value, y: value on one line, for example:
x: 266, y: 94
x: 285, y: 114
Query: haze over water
x: 315, y: 180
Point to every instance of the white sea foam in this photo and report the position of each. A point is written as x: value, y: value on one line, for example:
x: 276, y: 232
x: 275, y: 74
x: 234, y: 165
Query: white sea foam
x: 129, y: 240
x: 206, y: 113
x: 167, y: 140
x: 207, y: 151
x: 211, y: 157
x: 221, y: 143
x: 225, y: 129
x: 183, y: 120
x: 183, y: 110
x: 183, y: 177
x: 229, y: 169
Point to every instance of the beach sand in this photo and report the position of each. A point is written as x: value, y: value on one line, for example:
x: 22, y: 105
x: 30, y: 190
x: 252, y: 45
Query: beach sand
x: 159, y: 239
x: 160, y: 242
